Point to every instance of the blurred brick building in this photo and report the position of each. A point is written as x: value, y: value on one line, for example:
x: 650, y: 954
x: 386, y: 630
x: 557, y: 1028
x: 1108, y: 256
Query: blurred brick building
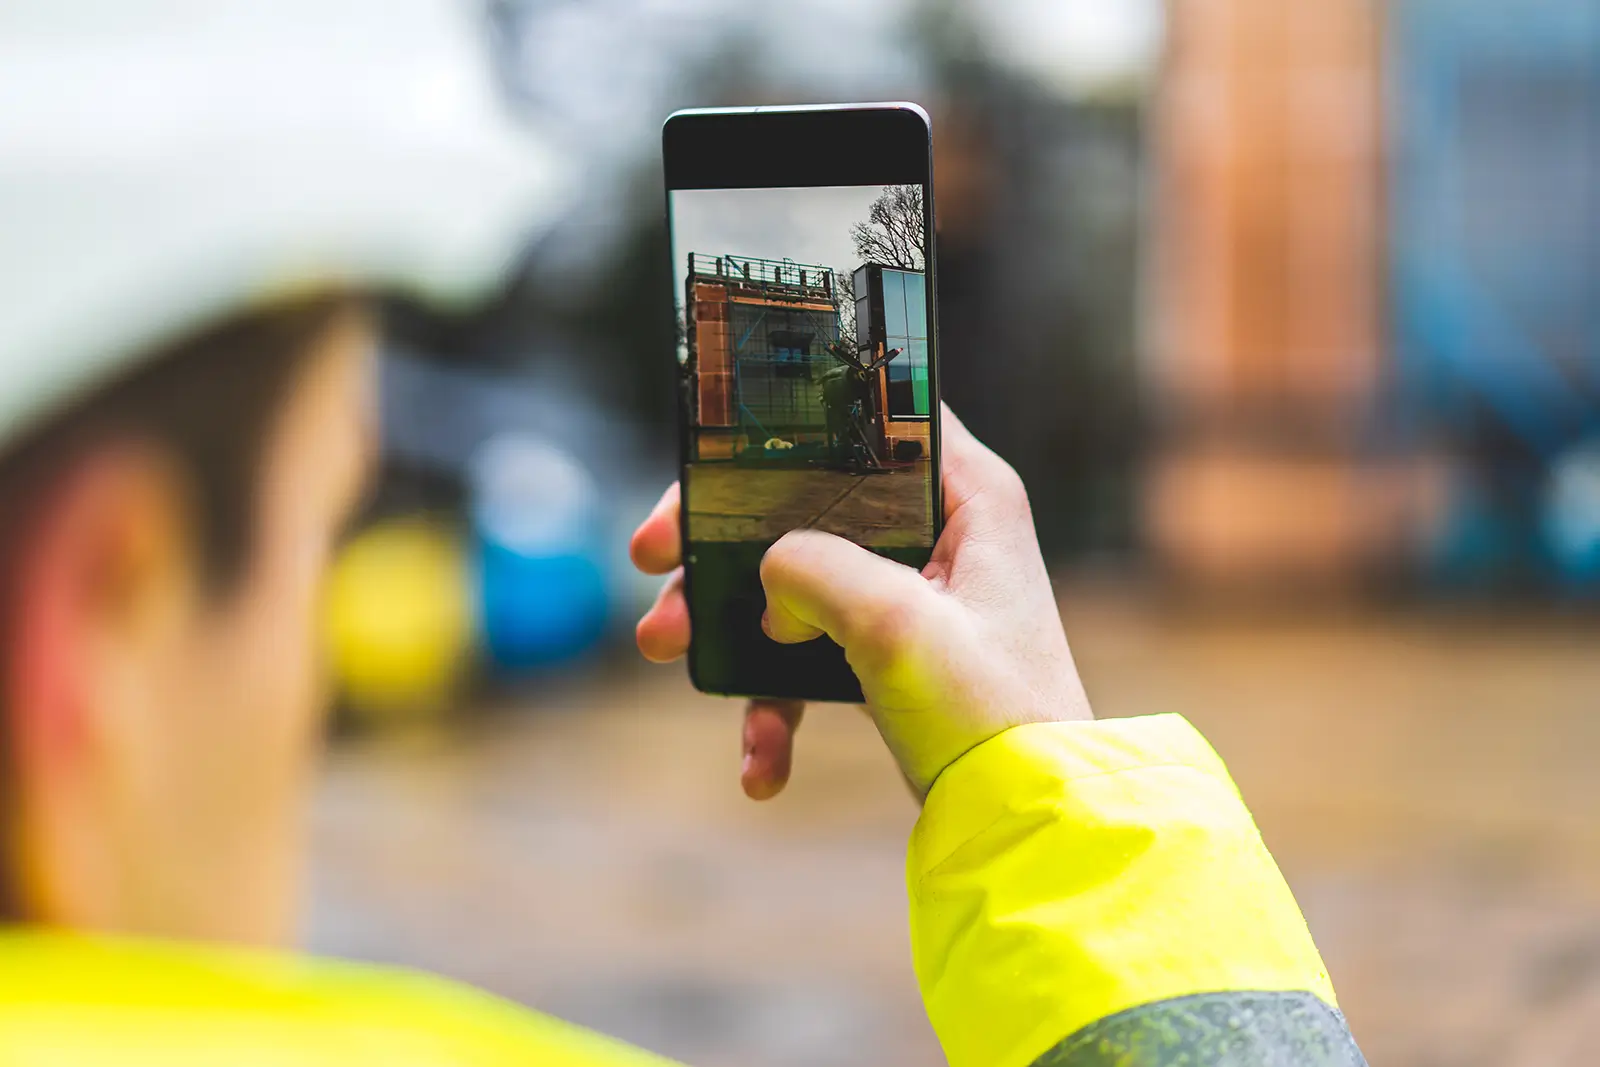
x: 1264, y: 358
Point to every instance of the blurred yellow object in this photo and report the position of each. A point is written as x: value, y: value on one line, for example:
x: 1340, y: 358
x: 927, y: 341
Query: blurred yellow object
x: 399, y: 620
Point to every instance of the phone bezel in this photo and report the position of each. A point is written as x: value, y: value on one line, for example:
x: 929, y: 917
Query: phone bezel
x: 797, y: 146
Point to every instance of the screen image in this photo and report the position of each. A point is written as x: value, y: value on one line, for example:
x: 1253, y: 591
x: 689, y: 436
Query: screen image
x: 804, y: 351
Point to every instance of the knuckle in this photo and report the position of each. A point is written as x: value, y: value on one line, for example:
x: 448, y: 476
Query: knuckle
x: 1008, y: 485
x: 887, y: 634
x: 796, y: 552
x: 779, y: 560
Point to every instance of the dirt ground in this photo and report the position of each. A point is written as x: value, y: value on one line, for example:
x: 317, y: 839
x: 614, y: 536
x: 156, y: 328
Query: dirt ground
x: 744, y: 503
x: 1431, y: 786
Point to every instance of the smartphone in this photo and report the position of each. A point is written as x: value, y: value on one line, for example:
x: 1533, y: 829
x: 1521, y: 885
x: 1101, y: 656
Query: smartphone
x: 804, y: 288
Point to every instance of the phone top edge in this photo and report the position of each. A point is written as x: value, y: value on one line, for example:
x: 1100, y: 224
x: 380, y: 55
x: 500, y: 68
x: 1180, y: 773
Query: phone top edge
x: 797, y: 145
x: 783, y: 109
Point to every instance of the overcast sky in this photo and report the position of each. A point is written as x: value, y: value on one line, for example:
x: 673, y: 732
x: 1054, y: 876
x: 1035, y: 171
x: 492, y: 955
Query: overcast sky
x: 805, y: 225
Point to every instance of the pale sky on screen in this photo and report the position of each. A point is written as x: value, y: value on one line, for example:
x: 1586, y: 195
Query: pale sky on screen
x: 810, y: 225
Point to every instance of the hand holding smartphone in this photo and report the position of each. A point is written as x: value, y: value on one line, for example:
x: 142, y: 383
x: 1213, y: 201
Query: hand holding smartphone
x: 804, y: 285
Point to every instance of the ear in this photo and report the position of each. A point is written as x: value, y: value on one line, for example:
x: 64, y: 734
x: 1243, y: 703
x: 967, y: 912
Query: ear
x: 96, y: 575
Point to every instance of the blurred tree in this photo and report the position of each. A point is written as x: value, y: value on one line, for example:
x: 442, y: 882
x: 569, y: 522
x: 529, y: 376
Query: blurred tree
x: 1037, y: 249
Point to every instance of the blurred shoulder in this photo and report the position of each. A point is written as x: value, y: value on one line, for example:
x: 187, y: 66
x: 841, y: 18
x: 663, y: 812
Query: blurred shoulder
x: 69, y: 999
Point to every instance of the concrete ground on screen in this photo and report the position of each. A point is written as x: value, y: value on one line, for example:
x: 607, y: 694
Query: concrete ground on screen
x: 736, y: 503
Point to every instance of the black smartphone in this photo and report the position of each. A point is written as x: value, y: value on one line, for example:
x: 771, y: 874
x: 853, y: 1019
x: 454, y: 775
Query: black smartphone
x: 804, y: 281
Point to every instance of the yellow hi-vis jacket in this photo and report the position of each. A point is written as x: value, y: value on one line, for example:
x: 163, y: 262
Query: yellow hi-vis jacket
x: 1082, y: 895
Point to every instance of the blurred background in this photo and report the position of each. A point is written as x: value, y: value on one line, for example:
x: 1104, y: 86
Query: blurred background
x: 1289, y: 315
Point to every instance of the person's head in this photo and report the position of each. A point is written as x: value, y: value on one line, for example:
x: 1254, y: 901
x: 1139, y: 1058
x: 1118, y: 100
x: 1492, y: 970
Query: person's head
x: 184, y: 422
x: 161, y: 549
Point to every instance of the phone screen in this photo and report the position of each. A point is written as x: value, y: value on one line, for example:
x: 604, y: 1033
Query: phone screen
x: 806, y: 357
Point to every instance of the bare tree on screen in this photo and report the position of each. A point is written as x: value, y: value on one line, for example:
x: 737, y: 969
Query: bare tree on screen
x: 844, y: 303
x: 894, y: 233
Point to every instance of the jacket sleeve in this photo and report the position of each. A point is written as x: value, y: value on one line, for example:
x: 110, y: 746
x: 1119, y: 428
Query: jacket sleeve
x: 1096, y: 893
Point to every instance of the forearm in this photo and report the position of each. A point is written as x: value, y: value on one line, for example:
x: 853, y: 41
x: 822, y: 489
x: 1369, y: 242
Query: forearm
x: 1096, y: 892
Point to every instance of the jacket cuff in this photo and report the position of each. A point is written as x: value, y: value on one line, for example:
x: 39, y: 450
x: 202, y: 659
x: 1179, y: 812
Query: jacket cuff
x: 1023, y: 762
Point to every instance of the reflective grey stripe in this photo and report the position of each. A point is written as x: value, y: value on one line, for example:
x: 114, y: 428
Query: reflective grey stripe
x: 1214, y: 1030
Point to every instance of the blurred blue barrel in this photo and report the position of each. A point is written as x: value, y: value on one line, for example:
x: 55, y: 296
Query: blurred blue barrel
x: 538, y: 529
x: 1572, y: 516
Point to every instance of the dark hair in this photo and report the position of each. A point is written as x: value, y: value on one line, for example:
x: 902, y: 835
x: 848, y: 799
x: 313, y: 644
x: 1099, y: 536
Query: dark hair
x: 211, y: 398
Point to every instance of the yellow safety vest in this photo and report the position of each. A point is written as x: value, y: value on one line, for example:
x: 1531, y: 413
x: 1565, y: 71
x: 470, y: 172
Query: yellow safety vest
x: 1082, y: 895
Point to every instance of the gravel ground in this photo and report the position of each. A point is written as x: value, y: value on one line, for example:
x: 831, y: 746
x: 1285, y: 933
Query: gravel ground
x: 1431, y: 786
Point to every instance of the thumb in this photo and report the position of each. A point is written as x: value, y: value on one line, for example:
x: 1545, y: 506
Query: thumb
x: 818, y: 584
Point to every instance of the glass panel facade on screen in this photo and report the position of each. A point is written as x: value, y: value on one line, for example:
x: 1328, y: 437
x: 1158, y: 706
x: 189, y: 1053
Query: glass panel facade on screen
x: 892, y: 312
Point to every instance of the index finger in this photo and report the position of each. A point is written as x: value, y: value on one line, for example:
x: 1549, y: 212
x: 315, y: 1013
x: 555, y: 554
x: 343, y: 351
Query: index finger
x: 970, y: 467
x: 656, y: 547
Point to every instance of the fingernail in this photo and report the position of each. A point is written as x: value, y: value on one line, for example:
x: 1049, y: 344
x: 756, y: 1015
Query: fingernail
x: 744, y: 767
x: 766, y: 624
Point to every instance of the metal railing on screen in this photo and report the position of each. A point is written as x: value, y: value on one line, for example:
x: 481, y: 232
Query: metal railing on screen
x: 785, y: 274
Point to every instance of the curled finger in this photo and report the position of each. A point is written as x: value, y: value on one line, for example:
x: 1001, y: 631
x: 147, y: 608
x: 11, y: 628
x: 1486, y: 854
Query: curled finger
x: 769, y: 729
x: 663, y: 632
